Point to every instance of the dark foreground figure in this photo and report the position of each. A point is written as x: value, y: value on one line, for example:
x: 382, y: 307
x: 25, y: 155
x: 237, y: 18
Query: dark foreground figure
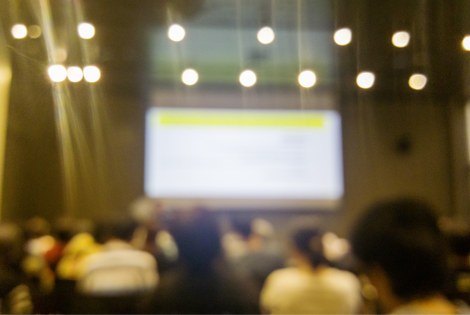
x: 203, y: 283
x: 404, y: 255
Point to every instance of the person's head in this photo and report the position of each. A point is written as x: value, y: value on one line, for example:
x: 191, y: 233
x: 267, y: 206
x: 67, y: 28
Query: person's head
x: 65, y: 228
x: 11, y: 244
x: 118, y: 227
x: 36, y: 227
x: 402, y: 250
x: 307, y: 241
x: 196, y: 234
x: 457, y: 234
x: 243, y: 227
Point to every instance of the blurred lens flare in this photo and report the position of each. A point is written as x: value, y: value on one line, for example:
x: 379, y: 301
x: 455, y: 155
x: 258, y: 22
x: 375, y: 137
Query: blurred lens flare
x: 266, y: 35
x: 307, y: 78
x: 57, y: 73
x: 247, y: 78
x: 401, y: 39
x: 86, y: 30
x: 176, y: 32
x: 91, y: 74
x: 365, y: 80
x: 189, y: 77
x: 417, y: 81
x: 19, y: 31
x: 74, y: 74
x: 343, y: 37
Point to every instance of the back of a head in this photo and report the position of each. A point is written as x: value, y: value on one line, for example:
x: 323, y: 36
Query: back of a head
x: 123, y: 229
x: 197, y: 237
x: 243, y: 227
x: 11, y: 244
x: 402, y: 237
x: 36, y: 227
x: 307, y: 240
x: 457, y: 234
x: 120, y: 227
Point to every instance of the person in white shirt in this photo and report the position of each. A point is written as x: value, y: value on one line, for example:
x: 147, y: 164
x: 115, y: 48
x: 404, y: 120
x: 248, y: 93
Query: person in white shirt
x: 119, y: 277
x: 312, y: 286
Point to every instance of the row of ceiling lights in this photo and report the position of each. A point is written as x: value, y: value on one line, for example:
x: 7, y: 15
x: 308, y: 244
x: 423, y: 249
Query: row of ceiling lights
x: 265, y: 35
x: 59, y: 73
x: 21, y: 31
x: 308, y: 78
x: 247, y: 78
x: 341, y: 37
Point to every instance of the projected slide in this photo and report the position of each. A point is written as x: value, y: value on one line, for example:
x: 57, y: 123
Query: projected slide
x: 243, y: 154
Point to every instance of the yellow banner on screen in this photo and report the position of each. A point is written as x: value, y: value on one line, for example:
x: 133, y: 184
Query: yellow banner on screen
x: 230, y: 119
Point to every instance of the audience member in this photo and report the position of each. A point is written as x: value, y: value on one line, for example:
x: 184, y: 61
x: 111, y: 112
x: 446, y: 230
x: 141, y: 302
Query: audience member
x: 74, y: 253
x: 311, y: 286
x: 38, y: 242
x: 256, y: 257
x: 63, y: 230
x: 458, y: 236
x: 116, y: 279
x: 404, y: 256
x: 15, y: 295
x: 73, y: 244
x: 150, y: 235
x: 203, y: 283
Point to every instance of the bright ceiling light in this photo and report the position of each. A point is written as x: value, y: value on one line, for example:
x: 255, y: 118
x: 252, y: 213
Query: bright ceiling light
x: 176, y: 32
x: 91, y: 73
x: 365, y: 80
x: 86, y: 30
x: 74, y: 74
x: 343, y: 36
x: 307, y: 78
x: 266, y: 35
x: 34, y: 31
x: 417, y: 81
x: 247, y: 78
x: 401, y: 39
x: 19, y: 31
x: 57, y: 73
x: 189, y: 77
x: 466, y: 43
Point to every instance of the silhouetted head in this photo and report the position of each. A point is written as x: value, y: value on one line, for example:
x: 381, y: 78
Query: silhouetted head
x: 307, y: 240
x: 11, y: 244
x: 120, y: 227
x: 197, y: 237
x: 243, y: 226
x: 36, y: 227
x: 402, y: 239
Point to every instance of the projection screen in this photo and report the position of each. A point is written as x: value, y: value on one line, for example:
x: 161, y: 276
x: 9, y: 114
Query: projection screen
x: 224, y: 158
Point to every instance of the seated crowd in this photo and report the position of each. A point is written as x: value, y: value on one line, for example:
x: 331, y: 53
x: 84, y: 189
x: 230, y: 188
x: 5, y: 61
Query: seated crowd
x: 402, y: 262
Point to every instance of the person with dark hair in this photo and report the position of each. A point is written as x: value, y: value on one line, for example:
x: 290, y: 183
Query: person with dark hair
x: 311, y: 286
x: 458, y: 238
x: 256, y: 257
x: 202, y: 283
x: 402, y: 252
x: 15, y: 295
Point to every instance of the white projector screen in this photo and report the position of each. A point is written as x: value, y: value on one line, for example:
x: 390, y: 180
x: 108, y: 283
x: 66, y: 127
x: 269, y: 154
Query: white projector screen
x: 244, y: 158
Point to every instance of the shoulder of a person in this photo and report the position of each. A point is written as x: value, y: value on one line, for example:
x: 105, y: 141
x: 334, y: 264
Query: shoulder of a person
x: 343, y: 276
x: 283, y: 273
x: 341, y: 273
